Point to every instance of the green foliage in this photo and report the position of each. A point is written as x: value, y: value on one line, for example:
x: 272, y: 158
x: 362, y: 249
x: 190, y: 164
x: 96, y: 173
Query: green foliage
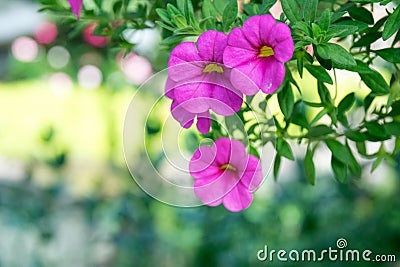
x: 314, y: 24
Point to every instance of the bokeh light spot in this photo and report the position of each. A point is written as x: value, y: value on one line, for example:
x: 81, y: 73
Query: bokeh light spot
x: 58, y: 57
x: 90, y: 77
x: 25, y: 49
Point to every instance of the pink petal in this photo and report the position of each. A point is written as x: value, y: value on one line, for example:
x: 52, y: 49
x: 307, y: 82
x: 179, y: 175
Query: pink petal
x: 251, y: 29
x: 243, y: 82
x: 274, y: 72
x: 230, y: 152
x: 76, y: 7
x: 281, y: 41
x: 279, y: 32
x: 239, y: 49
x: 212, y: 190
x: 284, y: 50
x: 204, y: 122
x: 211, y: 45
x: 267, y: 22
x: 239, y: 198
x: 251, y: 175
x: 202, y: 165
x: 225, y: 101
x: 251, y: 72
x: 194, y: 97
x: 184, y: 117
x: 184, y: 62
x: 169, y: 88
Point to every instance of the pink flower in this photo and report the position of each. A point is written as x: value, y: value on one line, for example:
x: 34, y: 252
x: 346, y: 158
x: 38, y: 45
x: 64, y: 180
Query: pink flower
x: 94, y: 40
x: 226, y: 174
x: 46, y: 33
x: 259, y: 50
x: 198, y: 82
x: 76, y: 6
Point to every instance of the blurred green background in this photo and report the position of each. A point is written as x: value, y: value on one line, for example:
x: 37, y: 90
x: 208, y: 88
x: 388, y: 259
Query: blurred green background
x: 66, y: 195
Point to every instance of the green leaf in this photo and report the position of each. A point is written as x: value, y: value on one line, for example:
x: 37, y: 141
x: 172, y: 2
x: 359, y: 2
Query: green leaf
x: 298, y: 115
x: 355, y: 136
x: 208, y: 9
x: 340, y: 31
x: 230, y: 13
x: 371, y: 78
x: 375, y: 131
x: 174, y: 39
x: 353, y: 23
x: 326, y: 63
x: 339, y: 169
x: 277, y: 164
x: 393, y: 128
x: 375, y: 82
x: 97, y: 2
x: 266, y: 5
x: 376, y: 164
x: 320, y: 73
x: 389, y: 54
x: 165, y: 26
x: 300, y: 61
x: 346, y: 103
x: 314, y: 105
x: 336, y: 53
x: 286, y: 101
x: 339, y: 151
x: 361, y: 148
x: 163, y: 14
x: 283, y: 149
x: 181, y: 5
x: 179, y: 21
x: 309, y: 167
x: 188, y: 11
x: 291, y: 10
x: 207, y: 23
x: 117, y: 6
x: 324, y: 94
x: 319, y: 116
x: 395, y: 109
x: 338, y: 14
x: 392, y: 24
x: 366, y: 1
x: 319, y: 131
x: 309, y: 10
x: 353, y: 164
x: 361, y: 14
x: 172, y: 10
x: 325, y: 20
x: 303, y: 27
x: 367, y: 39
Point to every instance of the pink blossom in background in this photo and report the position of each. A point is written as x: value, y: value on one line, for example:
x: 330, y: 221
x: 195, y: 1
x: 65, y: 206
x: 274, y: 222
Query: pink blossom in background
x: 46, y: 33
x: 137, y: 69
x: 259, y: 50
x: 94, y: 40
x: 76, y: 7
x: 225, y: 174
x: 198, y: 81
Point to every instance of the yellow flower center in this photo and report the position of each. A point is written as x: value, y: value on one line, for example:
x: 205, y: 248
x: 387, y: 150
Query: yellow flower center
x: 266, y: 51
x: 228, y: 167
x: 213, y: 68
